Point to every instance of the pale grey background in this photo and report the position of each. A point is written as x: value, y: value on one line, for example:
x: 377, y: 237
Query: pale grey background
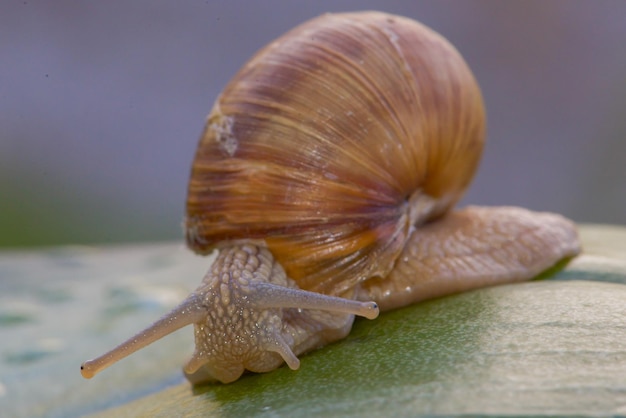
x: 102, y: 102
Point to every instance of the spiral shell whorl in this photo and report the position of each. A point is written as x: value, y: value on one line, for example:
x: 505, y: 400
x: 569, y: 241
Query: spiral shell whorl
x: 331, y: 141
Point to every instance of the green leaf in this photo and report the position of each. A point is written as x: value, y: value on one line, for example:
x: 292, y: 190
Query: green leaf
x: 553, y: 347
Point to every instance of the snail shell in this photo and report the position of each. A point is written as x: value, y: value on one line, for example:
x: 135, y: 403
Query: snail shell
x: 332, y: 143
x: 325, y: 177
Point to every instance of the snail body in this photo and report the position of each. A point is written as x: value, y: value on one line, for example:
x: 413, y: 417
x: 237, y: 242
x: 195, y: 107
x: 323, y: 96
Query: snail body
x: 325, y: 178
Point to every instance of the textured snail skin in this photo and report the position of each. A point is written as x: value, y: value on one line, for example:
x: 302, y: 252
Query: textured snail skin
x: 473, y: 247
x: 248, y: 327
x: 325, y: 178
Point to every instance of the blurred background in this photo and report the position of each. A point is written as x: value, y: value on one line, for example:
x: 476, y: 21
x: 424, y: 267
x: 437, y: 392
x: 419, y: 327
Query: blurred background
x: 102, y: 104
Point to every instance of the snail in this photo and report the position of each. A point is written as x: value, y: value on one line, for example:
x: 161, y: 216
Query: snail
x: 326, y: 178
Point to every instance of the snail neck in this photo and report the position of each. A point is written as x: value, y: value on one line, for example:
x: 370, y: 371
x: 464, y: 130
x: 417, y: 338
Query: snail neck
x: 257, y: 317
